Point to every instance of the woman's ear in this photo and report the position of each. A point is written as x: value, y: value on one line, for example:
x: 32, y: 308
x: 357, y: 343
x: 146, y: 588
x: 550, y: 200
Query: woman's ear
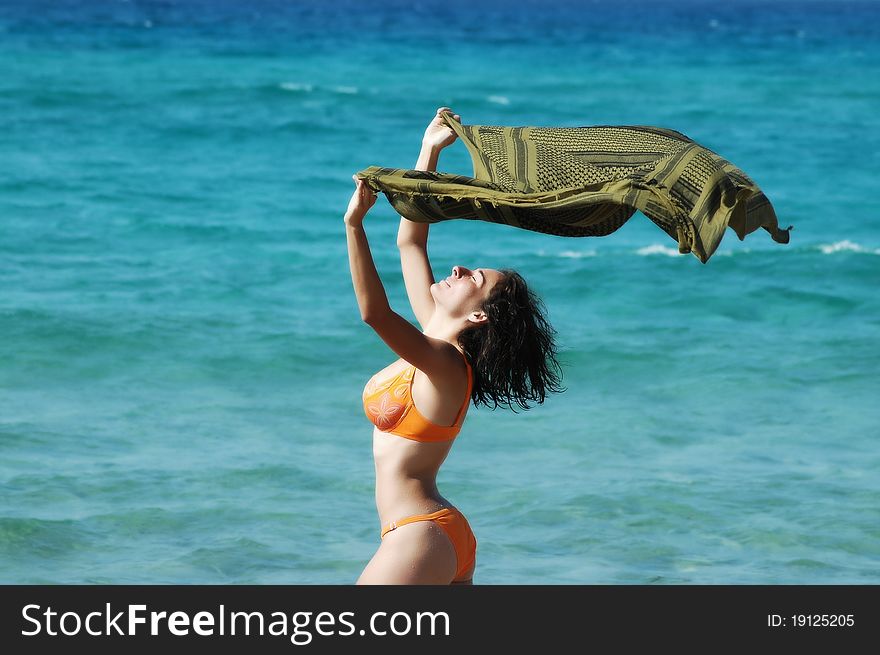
x: 478, y: 316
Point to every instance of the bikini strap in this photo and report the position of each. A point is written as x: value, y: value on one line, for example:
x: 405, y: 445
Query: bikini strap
x: 416, y: 518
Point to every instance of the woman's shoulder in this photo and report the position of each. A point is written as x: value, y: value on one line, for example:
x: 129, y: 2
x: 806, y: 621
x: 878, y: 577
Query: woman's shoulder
x: 458, y: 368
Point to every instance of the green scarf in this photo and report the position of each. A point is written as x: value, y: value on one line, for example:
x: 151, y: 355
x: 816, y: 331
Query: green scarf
x: 586, y: 181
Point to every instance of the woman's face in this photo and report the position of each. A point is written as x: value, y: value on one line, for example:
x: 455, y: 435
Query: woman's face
x: 465, y: 290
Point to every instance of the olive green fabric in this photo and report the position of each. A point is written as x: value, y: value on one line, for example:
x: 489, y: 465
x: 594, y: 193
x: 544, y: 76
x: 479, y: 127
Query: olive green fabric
x: 586, y: 181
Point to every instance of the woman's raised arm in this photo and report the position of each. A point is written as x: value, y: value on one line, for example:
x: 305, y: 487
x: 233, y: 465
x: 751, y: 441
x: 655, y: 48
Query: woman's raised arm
x: 411, y: 233
x: 412, y: 237
x: 432, y: 355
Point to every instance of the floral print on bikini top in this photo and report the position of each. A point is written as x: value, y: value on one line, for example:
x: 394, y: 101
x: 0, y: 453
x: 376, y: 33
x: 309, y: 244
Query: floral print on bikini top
x: 389, y: 406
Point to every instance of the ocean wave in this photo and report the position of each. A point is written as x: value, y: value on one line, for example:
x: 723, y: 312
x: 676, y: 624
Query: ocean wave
x: 499, y: 100
x: 658, y: 249
x: 672, y: 251
x: 653, y: 249
x: 575, y: 254
x: 568, y: 254
x: 304, y: 87
x: 845, y: 245
x: 296, y: 86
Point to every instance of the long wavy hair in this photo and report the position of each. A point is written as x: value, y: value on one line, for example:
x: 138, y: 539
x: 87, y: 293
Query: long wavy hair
x: 513, y: 354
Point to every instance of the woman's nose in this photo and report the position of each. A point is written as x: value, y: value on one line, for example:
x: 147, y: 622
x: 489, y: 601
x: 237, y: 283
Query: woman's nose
x: 458, y: 271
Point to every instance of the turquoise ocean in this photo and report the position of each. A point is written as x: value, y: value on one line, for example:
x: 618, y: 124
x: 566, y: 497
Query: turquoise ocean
x: 181, y: 353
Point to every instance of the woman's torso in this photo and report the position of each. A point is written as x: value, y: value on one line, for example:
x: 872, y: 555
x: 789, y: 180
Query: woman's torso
x: 406, y: 468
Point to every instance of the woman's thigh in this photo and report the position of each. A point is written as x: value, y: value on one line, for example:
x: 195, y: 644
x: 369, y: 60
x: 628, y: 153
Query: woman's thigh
x: 415, y: 553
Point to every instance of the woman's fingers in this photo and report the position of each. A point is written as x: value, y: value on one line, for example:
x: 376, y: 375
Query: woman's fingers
x: 363, y: 188
x: 442, y: 109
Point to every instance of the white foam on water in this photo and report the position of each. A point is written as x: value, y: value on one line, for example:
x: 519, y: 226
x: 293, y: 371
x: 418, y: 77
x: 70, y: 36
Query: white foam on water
x: 568, y: 254
x: 295, y: 86
x: 348, y: 90
x: 499, y: 100
x: 657, y: 249
x: 845, y: 245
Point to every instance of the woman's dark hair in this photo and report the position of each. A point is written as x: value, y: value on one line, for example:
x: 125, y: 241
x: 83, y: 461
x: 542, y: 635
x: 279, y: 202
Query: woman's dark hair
x: 513, y: 354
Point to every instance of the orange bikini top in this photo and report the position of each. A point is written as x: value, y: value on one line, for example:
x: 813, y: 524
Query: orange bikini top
x: 389, y: 406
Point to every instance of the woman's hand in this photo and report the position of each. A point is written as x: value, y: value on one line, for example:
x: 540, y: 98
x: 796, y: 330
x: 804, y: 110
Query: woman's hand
x: 361, y: 200
x: 439, y: 134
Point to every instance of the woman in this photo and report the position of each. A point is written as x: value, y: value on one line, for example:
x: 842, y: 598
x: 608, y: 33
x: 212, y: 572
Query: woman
x: 483, y: 338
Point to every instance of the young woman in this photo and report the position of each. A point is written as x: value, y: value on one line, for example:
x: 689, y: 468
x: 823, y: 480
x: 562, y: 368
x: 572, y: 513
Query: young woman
x: 483, y: 338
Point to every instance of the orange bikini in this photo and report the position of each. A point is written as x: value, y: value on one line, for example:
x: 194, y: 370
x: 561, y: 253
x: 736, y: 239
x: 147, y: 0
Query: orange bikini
x: 458, y: 530
x: 389, y: 405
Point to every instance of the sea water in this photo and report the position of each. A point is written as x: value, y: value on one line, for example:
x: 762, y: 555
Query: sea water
x: 181, y: 353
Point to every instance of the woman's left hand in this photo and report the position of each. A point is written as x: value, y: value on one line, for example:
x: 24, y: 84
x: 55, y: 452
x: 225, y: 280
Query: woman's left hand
x: 361, y: 200
x: 438, y: 133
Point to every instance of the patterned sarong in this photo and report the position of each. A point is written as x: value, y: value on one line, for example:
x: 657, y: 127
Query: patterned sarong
x: 586, y: 181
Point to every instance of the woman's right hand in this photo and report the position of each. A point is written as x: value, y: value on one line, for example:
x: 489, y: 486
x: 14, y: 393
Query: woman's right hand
x: 361, y: 200
x: 438, y: 133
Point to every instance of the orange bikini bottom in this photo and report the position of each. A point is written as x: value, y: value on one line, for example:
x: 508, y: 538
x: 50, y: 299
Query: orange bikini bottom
x: 456, y: 527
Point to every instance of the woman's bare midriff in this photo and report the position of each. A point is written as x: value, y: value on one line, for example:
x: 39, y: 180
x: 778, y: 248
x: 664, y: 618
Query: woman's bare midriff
x: 406, y: 476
